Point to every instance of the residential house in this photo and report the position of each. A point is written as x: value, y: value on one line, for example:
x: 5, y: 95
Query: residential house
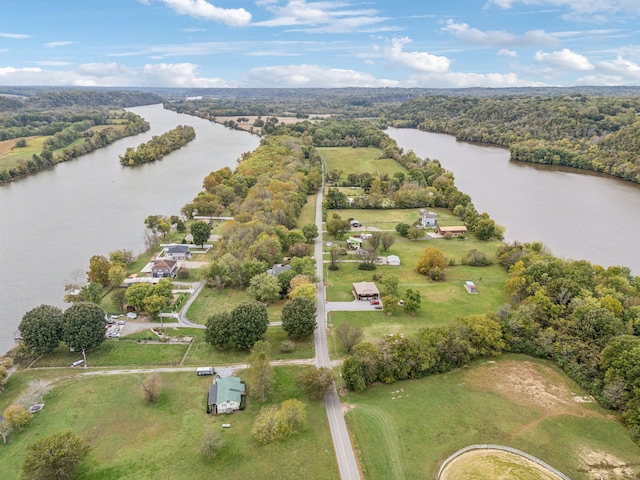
x: 277, y: 268
x: 177, y: 252
x: 366, y: 291
x: 428, y: 219
x: 164, y: 268
x: 226, y: 395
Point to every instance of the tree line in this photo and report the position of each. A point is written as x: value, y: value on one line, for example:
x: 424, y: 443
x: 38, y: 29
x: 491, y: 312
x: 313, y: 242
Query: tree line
x: 158, y: 146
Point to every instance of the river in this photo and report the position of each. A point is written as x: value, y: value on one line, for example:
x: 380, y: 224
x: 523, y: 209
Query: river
x: 54, y: 221
x: 576, y: 214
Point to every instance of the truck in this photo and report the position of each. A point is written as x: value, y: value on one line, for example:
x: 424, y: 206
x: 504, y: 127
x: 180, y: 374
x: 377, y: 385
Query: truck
x: 205, y: 371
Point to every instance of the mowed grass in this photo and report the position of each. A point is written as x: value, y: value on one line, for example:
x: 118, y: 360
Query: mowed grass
x: 12, y: 157
x: 442, y: 302
x: 405, y: 430
x: 358, y: 160
x: 308, y: 212
x: 130, y: 439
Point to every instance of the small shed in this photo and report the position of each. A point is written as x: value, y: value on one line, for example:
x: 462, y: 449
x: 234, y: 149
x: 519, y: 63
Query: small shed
x: 471, y: 287
x: 277, y: 268
x: 393, y: 260
x: 366, y: 291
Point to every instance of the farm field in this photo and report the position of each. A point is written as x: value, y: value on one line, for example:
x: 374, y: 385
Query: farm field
x: 130, y: 439
x: 358, y: 160
x: 406, y: 429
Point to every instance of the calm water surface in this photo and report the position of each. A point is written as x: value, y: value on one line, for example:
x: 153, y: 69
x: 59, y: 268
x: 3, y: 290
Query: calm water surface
x: 51, y: 223
x: 576, y: 214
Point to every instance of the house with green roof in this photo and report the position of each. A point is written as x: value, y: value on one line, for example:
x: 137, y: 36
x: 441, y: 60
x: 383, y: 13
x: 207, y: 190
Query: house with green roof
x: 226, y: 395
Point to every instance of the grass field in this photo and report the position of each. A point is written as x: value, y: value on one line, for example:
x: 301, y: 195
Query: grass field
x: 388, y: 219
x: 442, y: 302
x: 12, y: 157
x: 308, y: 213
x: 358, y: 160
x: 132, y: 440
x: 406, y: 429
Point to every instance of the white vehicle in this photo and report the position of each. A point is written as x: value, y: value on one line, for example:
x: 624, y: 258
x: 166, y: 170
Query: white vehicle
x: 205, y: 371
x: 77, y: 362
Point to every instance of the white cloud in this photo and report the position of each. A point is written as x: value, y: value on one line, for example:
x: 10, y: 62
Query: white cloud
x: 505, y: 52
x: 178, y: 75
x: 499, y: 37
x: 625, y: 69
x: 293, y: 76
x: 234, y: 17
x: 322, y: 17
x: 418, y: 61
x: 53, y: 63
x: 467, y: 80
x: 577, y: 6
x: 14, y: 35
x: 564, y: 59
x: 57, y: 44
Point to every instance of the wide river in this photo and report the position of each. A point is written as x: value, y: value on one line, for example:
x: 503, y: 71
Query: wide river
x: 52, y: 222
x: 576, y: 214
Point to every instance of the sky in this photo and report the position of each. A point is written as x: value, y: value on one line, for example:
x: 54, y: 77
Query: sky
x: 306, y: 43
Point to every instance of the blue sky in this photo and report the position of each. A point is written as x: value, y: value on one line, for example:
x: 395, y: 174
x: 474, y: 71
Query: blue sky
x: 304, y: 43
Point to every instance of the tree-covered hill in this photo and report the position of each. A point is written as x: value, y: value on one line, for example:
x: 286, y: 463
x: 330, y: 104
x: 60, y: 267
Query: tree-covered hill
x: 589, y: 132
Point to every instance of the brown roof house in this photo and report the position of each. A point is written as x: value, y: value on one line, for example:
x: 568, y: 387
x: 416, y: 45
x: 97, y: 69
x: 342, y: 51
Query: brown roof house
x: 366, y: 291
x: 164, y: 268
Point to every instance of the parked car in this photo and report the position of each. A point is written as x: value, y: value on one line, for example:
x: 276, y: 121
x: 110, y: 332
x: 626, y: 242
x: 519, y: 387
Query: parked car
x: 120, y: 322
x: 378, y: 307
x: 375, y: 302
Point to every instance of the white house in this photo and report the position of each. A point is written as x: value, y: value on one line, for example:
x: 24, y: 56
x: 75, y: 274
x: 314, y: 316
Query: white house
x: 177, y: 252
x: 428, y: 219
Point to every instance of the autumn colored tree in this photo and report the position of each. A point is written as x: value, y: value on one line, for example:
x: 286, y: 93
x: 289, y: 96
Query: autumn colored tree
x: 430, y: 259
x: 98, y: 272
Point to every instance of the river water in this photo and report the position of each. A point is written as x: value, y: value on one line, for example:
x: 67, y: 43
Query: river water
x: 576, y: 214
x: 52, y: 222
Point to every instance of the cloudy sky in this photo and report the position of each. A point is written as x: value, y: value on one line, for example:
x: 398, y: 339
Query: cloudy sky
x: 306, y: 43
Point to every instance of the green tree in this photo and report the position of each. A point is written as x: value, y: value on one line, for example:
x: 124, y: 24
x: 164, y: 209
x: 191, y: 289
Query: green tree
x: 91, y: 293
x: 41, y: 329
x: 117, y: 274
x: 16, y: 415
x: 99, y: 270
x: 55, y: 457
x: 390, y: 304
x: 83, y: 327
x: 337, y: 226
x: 264, y: 287
x: 403, y: 229
x: 310, y: 231
x: 387, y: 240
x: 265, y: 428
x: 353, y: 374
x: 306, y: 290
x: 315, y: 382
x: 260, y: 374
x: 218, y: 326
x: 200, y: 231
x: 154, y: 304
x: 299, y: 317
x: 292, y: 417
x: 412, y: 301
x: 136, y: 293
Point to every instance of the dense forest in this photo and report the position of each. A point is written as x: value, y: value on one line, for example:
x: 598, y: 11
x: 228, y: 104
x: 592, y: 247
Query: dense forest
x: 158, y: 146
x: 597, y: 133
x: 74, y: 122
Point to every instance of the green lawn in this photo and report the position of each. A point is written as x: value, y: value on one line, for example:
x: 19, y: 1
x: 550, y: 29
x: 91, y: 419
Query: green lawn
x: 406, y: 429
x: 358, y: 160
x: 132, y: 440
x: 308, y: 212
x: 388, y: 219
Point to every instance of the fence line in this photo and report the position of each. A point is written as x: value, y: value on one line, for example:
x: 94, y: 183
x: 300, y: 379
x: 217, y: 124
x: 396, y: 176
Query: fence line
x: 503, y: 448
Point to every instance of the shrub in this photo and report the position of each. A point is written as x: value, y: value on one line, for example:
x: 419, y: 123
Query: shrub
x: 366, y: 266
x: 287, y: 346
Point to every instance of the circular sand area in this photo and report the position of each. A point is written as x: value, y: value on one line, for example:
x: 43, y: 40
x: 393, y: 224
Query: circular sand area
x: 494, y: 464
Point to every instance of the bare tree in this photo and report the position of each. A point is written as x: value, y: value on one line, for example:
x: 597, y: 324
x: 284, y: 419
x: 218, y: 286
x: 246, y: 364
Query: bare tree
x: 348, y: 336
x: 210, y: 443
x: 151, y: 387
x: 5, y: 430
x: 387, y: 240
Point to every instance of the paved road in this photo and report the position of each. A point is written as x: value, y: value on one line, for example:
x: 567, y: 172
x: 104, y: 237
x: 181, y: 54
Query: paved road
x: 341, y: 441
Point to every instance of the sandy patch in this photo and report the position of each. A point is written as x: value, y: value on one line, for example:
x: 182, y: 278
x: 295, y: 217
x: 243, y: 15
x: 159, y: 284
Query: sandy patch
x: 530, y: 384
x: 605, y: 466
x: 495, y: 465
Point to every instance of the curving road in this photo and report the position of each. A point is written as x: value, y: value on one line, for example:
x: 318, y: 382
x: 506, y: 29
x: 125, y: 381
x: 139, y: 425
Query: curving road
x: 341, y: 441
